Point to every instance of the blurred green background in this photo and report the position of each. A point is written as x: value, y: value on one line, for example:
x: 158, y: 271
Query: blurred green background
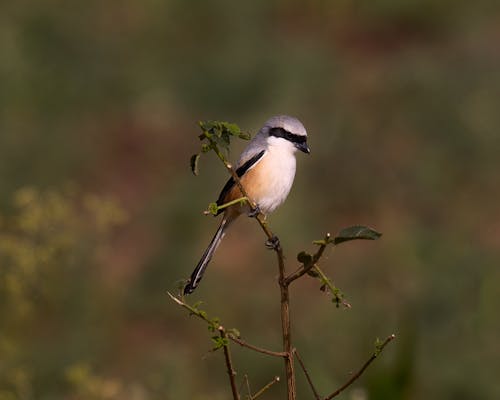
x: 100, y: 214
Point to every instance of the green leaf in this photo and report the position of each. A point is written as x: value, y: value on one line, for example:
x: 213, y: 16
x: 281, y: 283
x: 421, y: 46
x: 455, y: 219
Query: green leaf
x: 194, y: 163
x: 233, y: 331
x: 225, y: 140
x: 205, y: 148
x: 244, y: 135
x: 197, y: 305
x: 304, y: 257
x: 232, y: 129
x: 356, y: 232
x: 206, y: 126
x: 213, y: 208
x: 219, y: 342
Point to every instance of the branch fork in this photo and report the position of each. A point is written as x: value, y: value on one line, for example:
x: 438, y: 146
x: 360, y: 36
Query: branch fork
x: 219, y: 133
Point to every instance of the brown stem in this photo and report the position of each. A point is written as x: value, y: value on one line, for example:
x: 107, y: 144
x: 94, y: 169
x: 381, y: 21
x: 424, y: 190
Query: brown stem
x: 255, y: 348
x: 229, y: 364
x: 261, y: 391
x: 307, y: 267
x: 308, y: 377
x: 247, y: 384
x: 285, y: 326
x: 363, y: 368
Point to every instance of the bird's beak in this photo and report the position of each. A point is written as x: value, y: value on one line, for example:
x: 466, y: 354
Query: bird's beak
x: 303, y: 147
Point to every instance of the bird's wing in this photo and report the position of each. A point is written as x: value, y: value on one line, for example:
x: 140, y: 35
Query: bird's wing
x: 239, y: 172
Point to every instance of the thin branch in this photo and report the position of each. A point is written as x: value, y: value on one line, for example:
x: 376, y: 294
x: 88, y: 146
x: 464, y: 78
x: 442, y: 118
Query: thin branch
x: 336, y: 292
x: 309, y: 265
x: 308, y: 377
x: 247, y: 384
x: 192, y: 310
x: 229, y: 364
x: 363, y: 368
x: 255, y: 348
x: 227, y: 335
x: 266, y: 387
x: 217, y: 208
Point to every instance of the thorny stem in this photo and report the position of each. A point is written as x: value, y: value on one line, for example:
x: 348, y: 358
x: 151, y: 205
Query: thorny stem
x: 229, y: 364
x: 363, y: 368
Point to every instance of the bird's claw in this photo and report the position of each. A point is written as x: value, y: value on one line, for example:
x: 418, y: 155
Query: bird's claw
x: 255, y: 212
x: 273, y: 243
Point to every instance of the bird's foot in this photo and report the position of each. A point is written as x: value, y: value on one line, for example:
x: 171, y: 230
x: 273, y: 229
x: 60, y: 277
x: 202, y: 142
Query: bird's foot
x: 273, y: 243
x: 255, y: 212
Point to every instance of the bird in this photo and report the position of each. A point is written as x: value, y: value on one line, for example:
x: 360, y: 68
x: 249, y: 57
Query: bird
x: 266, y: 169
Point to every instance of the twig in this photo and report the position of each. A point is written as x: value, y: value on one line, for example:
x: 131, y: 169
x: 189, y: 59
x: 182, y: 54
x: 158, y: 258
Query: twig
x: 247, y: 384
x: 229, y: 364
x: 308, y: 377
x: 212, y: 324
x: 363, y: 368
x: 307, y: 267
x: 336, y: 292
x: 217, y: 208
x: 191, y: 309
x: 261, y: 391
x: 255, y: 348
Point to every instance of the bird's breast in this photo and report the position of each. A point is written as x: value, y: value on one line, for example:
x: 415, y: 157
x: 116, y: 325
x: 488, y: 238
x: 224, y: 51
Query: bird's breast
x: 270, y: 180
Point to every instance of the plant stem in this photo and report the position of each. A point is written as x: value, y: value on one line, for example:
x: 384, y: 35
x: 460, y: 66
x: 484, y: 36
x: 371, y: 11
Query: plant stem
x: 261, y: 391
x: 230, y: 203
x: 308, y: 377
x: 307, y: 267
x: 363, y: 368
x: 285, y: 326
x: 255, y: 348
x: 229, y: 364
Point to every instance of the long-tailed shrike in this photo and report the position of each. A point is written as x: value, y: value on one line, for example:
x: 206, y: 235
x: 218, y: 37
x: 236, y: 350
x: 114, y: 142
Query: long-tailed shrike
x: 266, y: 169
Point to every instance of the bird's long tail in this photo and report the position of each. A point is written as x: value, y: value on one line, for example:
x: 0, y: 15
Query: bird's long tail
x: 205, y: 259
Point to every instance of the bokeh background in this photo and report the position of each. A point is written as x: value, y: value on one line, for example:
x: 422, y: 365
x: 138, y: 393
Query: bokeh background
x: 100, y: 214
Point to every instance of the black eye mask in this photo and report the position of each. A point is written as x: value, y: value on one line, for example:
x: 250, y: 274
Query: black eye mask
x: 292, y: 137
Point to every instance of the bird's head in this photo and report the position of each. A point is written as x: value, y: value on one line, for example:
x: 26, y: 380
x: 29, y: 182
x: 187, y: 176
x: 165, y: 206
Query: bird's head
x: 284, y: 130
